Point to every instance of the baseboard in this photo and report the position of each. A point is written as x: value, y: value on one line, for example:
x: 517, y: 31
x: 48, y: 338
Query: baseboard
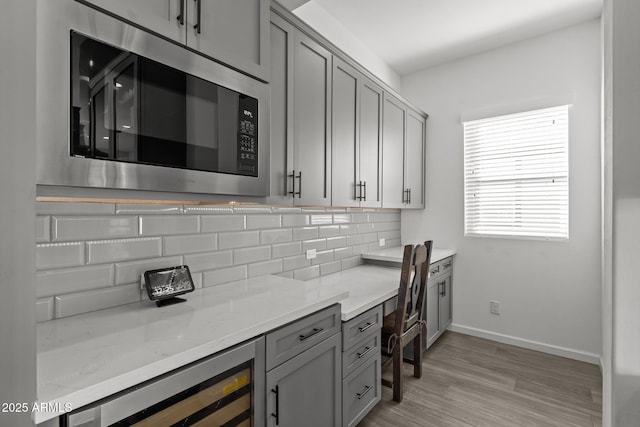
x: 531, y: 345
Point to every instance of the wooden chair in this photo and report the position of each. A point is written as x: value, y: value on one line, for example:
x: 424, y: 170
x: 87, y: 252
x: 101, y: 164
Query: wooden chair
x: 406, y: 324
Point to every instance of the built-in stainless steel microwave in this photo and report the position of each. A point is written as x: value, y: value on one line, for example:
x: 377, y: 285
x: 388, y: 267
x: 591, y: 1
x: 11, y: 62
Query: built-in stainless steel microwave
x: 119, y: 107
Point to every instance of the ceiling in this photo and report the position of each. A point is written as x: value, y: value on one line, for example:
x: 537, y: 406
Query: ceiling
x: 413, y: 34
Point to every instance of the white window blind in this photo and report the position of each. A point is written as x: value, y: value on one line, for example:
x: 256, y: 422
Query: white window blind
x: 516, y: 175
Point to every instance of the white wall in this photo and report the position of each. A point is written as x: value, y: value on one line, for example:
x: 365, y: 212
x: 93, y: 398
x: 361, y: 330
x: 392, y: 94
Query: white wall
x: 549, y: 291
x: 324, y: 23
x: 621, y: 290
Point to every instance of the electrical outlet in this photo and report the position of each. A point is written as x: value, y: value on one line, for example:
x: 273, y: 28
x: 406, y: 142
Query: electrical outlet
x: 382, y: 242
x: 494, y: 307
x: 311, y: 253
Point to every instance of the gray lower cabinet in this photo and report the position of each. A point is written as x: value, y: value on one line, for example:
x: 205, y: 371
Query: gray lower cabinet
x: 361, y: 365
x: 439, y: 309
x: 303, y: 381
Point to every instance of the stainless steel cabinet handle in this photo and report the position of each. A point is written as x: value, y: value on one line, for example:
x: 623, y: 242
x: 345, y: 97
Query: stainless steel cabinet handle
x: 276, y: 415
x: 366, y: 351
x: 363, y: 392
x: 180, y: 17
x: 367, y: 326
x: 310, y: 334
x: 198, y: 26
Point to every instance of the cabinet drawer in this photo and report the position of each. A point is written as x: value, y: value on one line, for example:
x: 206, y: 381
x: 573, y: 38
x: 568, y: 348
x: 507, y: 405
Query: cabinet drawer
x: 361, y: 391
x: 358, y: 328
x: 441, y: 267
x: 360, y: 353
x: 288, y: 341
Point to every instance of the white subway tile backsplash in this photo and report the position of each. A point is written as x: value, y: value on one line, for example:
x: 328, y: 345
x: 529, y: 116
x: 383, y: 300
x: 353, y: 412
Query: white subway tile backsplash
x: 295, y: 220
x: 63, y: 208
x: 354, y: 261
x: 44, y: 309
x: 94, y: 257
x: 276, y: 236
x: 331, y: 267
x: 104, y: 251
x: 81, y: 302
x: 342, y: 252
x: 224, y: 275
x: 190, y: 244
x: 43, y: 229
x: 238, y: 239
x: 160, y: 225
x: 222, y: 223
x: 67, y: 280
x: 291, y: 263
x: 267, y: 267
x: 317, y: 244
x: 70, y: 228
x: 209, y: 261
x: 307, y: 273
x: 148, y: 209
x: 132, y: 271
x: 247, y: 255
x: 329, y: 231
x: 286, y: 249
x: 305, y: 233
x: 336, y: 242
x: 57, y: 255
x: 255, y: 222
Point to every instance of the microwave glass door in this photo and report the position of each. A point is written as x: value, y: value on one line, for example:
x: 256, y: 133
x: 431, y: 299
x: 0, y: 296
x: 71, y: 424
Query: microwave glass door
x: 128, y: 108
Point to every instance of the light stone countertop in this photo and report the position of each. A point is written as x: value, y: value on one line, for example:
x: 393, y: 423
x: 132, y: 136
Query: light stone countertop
x: 394, y: 254
x: 84, y: 358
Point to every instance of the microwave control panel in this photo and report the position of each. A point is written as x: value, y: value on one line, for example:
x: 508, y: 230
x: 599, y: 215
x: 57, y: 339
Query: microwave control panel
x: 248, y: 136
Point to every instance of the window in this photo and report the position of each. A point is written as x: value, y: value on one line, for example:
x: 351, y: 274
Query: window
x: 516, y: 175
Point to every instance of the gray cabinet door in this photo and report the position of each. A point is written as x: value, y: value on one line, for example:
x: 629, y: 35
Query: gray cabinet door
x: 414, y: 159
x: 393, y: 135
x: 312, y: 122
x: 233, y: 32
x: 161, y: 17
x: 344, y: 140
x: 433, y: 302
x: 444, y: 302
x: 369, y: 154
x: 281, y: 144
x: 307, y: 390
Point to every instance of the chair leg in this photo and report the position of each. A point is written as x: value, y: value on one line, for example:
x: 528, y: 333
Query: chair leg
x: 397, y: 373
x: 417, y: 356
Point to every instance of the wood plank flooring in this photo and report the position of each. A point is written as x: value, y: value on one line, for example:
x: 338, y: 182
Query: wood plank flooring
x: 469, y: 381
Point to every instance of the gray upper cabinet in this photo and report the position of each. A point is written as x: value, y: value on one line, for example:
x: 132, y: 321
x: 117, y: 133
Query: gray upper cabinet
x: 356, y: 138
x: 414, y: 160
x: 233, y: 32
x: 300, y: 117
x: 393, y: 135
x: 403, y: 161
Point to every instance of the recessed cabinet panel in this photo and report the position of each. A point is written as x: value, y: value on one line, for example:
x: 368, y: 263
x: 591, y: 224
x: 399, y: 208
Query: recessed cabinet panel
x: 414, y: 159
x: 433, y: 301
x: 312, y: 123
x: 444, y: 308
x: 369, y: 153
x: 162, y: 17
x: 393, y: 135
x: 281, y: 110
x: 345, y: 189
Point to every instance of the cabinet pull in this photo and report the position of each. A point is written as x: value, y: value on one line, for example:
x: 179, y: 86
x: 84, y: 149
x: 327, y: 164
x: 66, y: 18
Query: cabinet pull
x: 366, y: 351
x: 367, y: 326
x: 405, y: 196
x: 364, y: 185
x: 277, y: 413
x: 363, y: 392
x: 447, y: 264
x: 435, y: 270
x: 198, y: 26
x: 409, y: 190
x: 180, y: 17
x: 443, y: 288
x: 299, y: 185
x: 293, y: 176
x: 310, y: 334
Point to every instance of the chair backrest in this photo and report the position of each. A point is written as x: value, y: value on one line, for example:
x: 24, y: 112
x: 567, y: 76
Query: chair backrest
x: 413, y: 285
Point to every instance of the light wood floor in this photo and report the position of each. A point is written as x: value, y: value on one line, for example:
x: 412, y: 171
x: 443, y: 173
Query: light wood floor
x: 469, y: 381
